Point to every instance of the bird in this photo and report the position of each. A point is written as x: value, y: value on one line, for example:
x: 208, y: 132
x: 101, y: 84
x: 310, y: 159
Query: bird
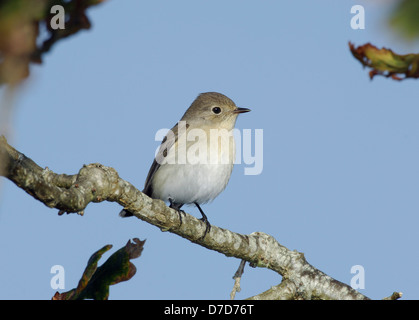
x: 196, y: 157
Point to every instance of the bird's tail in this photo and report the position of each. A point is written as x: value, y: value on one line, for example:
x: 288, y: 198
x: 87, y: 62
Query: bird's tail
x: 125, y: 213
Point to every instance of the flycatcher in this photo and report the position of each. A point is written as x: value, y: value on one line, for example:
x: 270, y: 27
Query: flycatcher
x: 196, y: 157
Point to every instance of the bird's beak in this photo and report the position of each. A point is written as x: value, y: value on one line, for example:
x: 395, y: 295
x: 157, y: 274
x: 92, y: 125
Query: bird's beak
x: 241, y: 110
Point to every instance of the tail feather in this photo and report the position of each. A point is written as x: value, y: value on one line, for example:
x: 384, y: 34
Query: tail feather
x: 125, y: 213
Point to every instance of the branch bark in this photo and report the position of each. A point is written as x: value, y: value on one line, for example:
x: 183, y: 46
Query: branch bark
x: 97, y: 183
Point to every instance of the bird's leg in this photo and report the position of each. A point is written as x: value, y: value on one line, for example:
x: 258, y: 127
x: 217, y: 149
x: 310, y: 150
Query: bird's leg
x: 204, y: 219
x: 177, y: 207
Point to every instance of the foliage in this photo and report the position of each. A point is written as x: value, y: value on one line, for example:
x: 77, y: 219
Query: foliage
x: 22, y: 40
x: 95, y: 282
x: 386, y: 63
x: 404, y: 19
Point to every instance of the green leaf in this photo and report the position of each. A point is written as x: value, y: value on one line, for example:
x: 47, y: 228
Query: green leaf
x: 404, y: 19
x: 95, y: 281
x: 385, y: 62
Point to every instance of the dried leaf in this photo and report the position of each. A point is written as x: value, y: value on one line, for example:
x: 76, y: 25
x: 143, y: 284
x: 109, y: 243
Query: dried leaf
x: 95, y: 281
x: 386, y: 63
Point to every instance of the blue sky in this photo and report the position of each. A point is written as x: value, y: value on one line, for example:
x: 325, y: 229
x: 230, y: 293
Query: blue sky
x: 340, y: 179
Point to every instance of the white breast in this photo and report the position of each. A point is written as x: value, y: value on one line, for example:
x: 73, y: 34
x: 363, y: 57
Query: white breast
x: 196, y: 181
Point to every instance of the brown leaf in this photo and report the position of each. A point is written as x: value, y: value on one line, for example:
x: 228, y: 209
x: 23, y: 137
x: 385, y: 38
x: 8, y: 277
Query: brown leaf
x: 386, y: 63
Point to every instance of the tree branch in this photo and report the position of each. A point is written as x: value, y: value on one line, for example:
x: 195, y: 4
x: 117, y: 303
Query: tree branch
x: 286, y: 290
x: 97, y: 183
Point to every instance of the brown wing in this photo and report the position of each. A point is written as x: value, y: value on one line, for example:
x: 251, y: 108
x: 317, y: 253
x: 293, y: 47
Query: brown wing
x: 168, y: 141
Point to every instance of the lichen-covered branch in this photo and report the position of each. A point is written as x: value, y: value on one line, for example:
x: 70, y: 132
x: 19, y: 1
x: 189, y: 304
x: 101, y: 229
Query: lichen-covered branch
x: 286, y: 290
x: 96, y: 183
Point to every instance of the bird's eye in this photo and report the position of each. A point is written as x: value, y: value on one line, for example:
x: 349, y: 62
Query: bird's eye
x: 216, y: 110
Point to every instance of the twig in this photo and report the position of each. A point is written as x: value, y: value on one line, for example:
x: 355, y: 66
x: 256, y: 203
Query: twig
x: 394, y: 296
x: 237, y: 277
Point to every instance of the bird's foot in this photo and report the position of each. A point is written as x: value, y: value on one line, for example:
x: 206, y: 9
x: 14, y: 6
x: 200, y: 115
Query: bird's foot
x: 204, y: 219
x: 207, y: 227
x: 177, y: 207
x: 180, y: 212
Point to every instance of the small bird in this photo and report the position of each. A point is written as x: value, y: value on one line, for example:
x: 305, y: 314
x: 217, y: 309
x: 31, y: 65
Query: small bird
x: 196, y: 157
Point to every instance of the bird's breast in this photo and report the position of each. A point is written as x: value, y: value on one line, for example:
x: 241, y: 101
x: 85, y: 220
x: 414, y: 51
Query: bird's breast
x: 197, y: 169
